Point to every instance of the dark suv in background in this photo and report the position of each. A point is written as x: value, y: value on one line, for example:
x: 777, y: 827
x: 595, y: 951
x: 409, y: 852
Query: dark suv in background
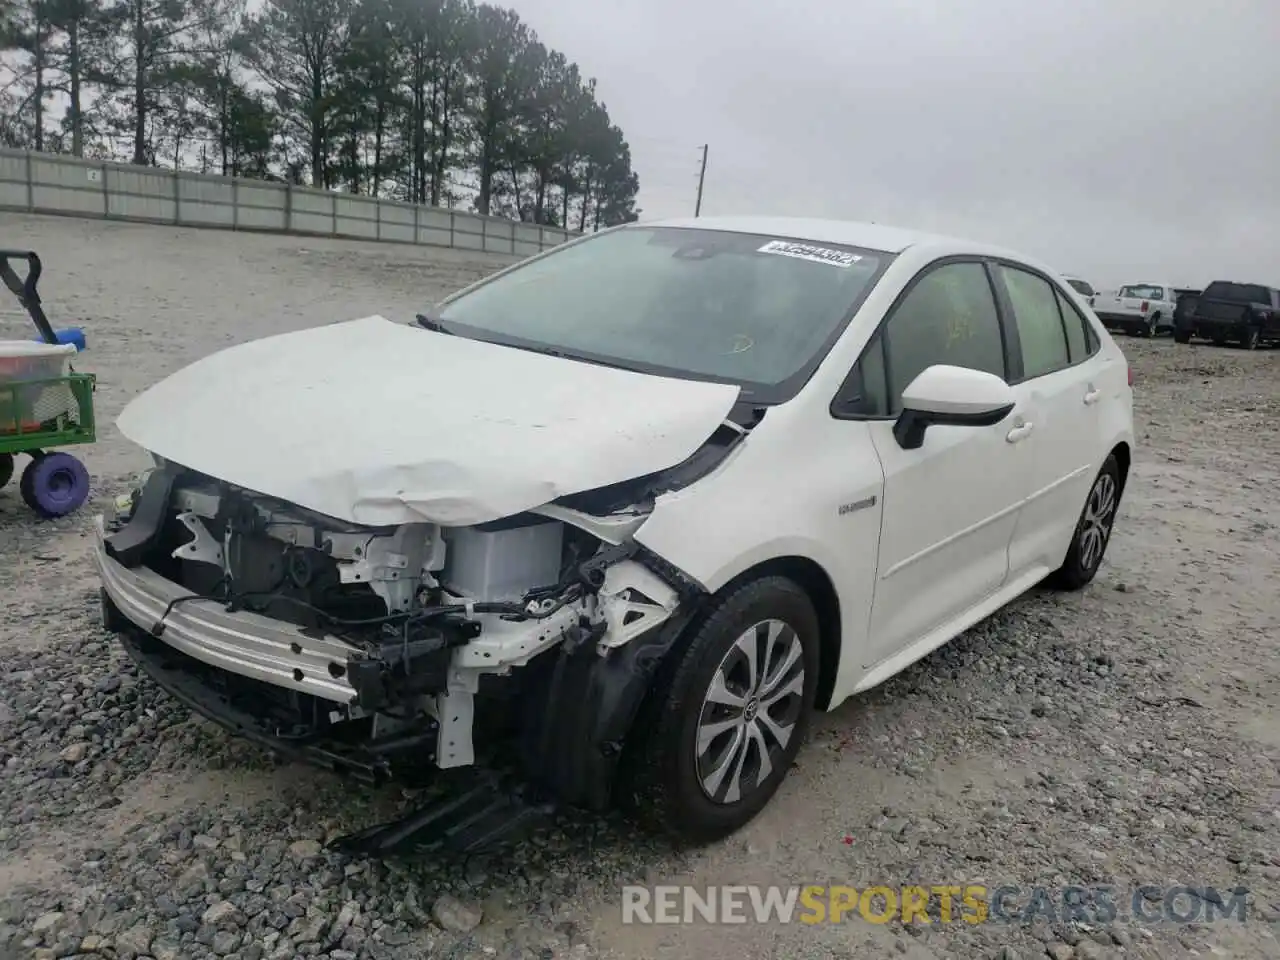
x: 1244, y: 313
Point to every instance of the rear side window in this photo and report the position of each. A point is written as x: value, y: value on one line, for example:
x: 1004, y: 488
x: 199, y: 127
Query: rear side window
x: 1080, y: 287
x: 1040, y: 329
x: 1082, y: 341
x: 1142, y: 291
x: 1237, y: 292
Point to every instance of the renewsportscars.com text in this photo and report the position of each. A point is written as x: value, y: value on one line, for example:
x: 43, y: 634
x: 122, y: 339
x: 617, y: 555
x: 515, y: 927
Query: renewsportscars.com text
x: 941, y: 903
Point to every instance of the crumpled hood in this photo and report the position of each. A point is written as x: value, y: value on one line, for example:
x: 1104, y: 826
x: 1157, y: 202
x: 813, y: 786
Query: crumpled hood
x: 377, y: 423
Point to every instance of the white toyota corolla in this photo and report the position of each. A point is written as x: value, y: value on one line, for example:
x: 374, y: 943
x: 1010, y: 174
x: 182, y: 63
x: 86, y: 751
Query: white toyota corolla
x: 634, y: 507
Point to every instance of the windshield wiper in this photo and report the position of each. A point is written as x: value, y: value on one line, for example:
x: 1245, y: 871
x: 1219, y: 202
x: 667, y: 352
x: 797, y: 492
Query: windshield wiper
x: 564, y: 355
x: 427, y: 322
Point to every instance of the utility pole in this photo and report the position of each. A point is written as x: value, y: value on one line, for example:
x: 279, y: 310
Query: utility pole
x: 702, y: 175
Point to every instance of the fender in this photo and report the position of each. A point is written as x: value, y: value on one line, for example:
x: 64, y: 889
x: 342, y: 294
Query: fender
x: 580, y: 706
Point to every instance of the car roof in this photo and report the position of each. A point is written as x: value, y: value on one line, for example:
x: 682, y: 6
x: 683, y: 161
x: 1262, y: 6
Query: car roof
x: 853, y: 233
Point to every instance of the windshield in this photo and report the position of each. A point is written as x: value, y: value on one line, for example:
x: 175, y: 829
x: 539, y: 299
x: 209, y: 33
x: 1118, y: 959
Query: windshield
x: 1143, y: 291
x: 1080, y: 287
x: 1237, y: 292
x: 756, y: 311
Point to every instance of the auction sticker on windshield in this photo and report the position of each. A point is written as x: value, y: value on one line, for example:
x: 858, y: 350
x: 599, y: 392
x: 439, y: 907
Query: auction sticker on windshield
x: 806, y: 251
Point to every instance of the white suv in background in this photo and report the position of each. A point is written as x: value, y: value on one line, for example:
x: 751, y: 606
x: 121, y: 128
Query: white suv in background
x: 1082, y: 287
x: 658, y: 492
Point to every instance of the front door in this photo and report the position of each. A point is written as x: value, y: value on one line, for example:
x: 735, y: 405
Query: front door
x: 950, y: 507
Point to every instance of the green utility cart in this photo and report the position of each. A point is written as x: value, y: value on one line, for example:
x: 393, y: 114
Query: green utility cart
x: 44, y: 403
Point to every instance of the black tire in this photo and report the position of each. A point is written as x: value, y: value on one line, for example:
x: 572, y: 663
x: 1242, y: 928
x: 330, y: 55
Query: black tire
x: 1082, y: 562
x: 1250, y: 340
x: 1219, y: 340
x: 6, y: 468
x: 1149, y: 331
x: 662, y: 784
x: 1181, y: 337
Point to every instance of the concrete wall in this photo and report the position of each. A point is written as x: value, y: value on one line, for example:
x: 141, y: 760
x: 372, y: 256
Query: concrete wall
x: 53, y: 183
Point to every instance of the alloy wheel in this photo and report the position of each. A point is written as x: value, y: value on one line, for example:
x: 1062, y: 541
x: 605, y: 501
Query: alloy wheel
x: 749, y: 711
x: 1095, y: 527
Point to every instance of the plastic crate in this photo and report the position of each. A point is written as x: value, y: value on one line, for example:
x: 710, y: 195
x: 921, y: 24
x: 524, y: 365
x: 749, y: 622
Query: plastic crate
x: 32, y: 389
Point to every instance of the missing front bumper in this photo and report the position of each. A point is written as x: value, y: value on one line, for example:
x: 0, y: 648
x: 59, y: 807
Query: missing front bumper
x: 237, y: 705
x: 240, y: 642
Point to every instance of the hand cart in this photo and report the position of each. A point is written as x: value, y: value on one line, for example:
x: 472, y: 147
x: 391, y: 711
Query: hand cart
x: 44, y: 403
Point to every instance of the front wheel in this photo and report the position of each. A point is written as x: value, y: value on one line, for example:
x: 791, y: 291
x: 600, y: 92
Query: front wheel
x: 1093, y: 530
x: 6, y: 468
x: 1179, y: 337
x: 721, y: 730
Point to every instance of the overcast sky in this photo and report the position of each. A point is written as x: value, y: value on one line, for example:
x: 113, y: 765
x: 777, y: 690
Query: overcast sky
x: 1120, y: 140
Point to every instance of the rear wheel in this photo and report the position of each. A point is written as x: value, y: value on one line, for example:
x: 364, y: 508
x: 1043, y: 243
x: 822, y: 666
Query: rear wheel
x: 1181, y: 337
x: 1250, y: 340
x: 1149, y: 330
x: 1093, y: 530
x: 722, y: 729
x: 6, y: 468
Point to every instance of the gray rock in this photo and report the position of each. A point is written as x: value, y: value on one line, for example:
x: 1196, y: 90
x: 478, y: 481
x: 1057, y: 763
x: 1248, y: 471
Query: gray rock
x: 304, y: 849
x: 47, y: 925
x: 309, y: 928
x: 225, y: 942
x: 194, y: 875
x: 346, y: 916
x: 134, y: 942
x: 74, y: 752
x: 454, y: 915
x: 223, y: 915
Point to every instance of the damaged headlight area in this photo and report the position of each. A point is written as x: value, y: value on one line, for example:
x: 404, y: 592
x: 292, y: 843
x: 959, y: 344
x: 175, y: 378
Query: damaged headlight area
x: 369, y: 649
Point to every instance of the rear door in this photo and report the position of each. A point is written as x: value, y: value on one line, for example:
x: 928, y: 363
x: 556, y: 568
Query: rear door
x: 1058, y: 379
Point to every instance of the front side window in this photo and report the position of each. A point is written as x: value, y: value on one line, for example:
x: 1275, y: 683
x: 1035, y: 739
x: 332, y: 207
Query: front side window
x: 948, y: 316
x: 751, y: 310
x: 1040, y: 332
x: 1142, y: 291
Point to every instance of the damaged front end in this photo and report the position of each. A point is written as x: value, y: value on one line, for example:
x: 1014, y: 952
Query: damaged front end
x: 368, y: 649
x: 392, y: 652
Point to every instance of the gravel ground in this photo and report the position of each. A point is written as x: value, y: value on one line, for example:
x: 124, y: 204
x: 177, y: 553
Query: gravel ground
x: 1125, y: 735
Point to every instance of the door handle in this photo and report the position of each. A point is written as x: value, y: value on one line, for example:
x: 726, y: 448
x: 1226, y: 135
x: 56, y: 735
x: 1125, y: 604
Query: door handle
x: 1092, y: 396
x: 1020, y: 432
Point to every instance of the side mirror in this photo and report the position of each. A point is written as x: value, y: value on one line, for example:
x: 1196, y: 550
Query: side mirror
x: 943, y: 395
